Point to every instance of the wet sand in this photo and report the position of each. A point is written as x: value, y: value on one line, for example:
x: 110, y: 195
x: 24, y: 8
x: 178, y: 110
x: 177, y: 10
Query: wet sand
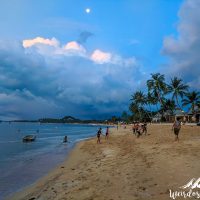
x: 123, y: 167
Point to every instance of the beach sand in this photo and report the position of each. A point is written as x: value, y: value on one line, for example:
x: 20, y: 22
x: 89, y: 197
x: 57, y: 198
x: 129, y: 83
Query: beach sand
x: 124, y: 167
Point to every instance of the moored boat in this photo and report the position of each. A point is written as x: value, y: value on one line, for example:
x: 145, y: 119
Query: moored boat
x: 29, y: 138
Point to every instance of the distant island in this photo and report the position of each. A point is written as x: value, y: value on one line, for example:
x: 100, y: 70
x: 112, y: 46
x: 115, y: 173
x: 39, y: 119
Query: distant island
x: 66, y: 119
x: 69, y: 119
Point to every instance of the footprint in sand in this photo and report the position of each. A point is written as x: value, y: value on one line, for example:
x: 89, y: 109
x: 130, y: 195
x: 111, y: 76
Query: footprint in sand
x: 141, y: 188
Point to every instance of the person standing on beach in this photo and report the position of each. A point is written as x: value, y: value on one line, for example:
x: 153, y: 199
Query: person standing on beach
x: 107, y: 133
x: 176, y: 127
x: 145, y: 128
x: 99, y: 136
x: 140, y: 130
x: 134, y: 128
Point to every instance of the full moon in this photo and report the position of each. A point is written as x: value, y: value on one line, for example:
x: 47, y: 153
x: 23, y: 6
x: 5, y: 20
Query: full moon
x: 87, y: 10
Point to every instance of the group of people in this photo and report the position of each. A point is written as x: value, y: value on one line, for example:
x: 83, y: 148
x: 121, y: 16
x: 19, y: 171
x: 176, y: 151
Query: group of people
x: 99, y: 132
x: 139, y: 128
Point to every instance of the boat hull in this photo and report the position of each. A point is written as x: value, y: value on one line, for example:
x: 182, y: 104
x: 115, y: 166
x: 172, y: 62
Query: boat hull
x: 29, y: 138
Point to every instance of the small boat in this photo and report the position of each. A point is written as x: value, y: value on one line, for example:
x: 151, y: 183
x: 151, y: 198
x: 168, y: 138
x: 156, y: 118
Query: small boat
x: 29, y: 138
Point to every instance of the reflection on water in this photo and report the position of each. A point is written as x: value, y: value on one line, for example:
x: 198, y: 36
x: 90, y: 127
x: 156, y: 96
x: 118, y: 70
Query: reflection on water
x: 23, y: 163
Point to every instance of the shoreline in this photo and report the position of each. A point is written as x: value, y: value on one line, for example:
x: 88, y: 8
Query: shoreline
x: 50, y: 173
x: 44, y: 155
x: 124, y: 167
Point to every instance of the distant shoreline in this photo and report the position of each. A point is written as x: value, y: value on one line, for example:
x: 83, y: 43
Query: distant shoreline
x: 65, y: 120
x: 78, y: 123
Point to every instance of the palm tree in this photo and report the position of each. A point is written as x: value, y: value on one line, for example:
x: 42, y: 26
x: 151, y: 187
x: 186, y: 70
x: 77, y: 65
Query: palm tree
x: 198, y: 105
x: 124, y: 116
x: 151, y: 100
x: 157, y: 86
x: 134, y: 108
x: 138, y: 100
x: 178, y: 89
x: 193, y: 99
x: 169, y: 105
x: 168, y: 108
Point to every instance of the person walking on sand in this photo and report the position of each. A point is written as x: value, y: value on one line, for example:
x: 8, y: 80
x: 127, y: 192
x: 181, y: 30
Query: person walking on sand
x: 134, y: 128
x: 176, y: 127
x: 145, y: 128
x: 99, y: 136
x: 139, y: 129
x: 107, y: 133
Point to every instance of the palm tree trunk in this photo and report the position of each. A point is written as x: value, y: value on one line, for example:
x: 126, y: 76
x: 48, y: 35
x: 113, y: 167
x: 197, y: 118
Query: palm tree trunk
x: 150, y: 116
x: 178, y: 103
x: 139, y: 113
x: 161, y: 103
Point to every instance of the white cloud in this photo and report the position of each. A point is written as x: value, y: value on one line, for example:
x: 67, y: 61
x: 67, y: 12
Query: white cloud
x: 183, y: 50
x: 101, y: 57
x: 40, y: 40
x: 52, y: 47
x: 73, y: 48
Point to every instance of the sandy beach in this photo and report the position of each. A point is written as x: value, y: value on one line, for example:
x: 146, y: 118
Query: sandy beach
x: 123, y: 167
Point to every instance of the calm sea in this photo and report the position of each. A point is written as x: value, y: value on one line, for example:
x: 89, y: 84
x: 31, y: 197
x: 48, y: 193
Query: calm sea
x: 21, y: 164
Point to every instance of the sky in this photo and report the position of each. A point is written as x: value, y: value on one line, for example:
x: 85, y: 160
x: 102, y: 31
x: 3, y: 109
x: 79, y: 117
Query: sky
x: 86, y: 57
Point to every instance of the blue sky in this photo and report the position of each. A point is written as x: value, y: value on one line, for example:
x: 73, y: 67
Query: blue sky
x: 128, y: 27
x: 56, y: 59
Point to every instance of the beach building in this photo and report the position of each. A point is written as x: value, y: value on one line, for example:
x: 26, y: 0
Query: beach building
x: 194, y: 116
x: 169, y: 116
x: 180, y: 114
x: 183, y: 116
x: 157, y: 118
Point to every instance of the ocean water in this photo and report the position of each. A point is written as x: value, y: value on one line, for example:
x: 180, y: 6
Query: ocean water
x: 21, y: 164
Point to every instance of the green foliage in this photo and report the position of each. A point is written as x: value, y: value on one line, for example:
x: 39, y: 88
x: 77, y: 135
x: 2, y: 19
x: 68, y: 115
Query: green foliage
x: 158, y: 95
x: 168, y: 105
x: 125, y: 116
x: 193, y: 99
x: 177, y: 89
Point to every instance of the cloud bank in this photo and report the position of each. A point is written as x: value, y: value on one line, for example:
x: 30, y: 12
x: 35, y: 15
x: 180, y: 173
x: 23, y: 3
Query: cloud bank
x: 41, y: 77
x: 184, y: 49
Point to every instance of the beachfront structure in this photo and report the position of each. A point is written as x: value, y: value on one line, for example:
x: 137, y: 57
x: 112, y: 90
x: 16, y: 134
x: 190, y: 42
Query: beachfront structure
x: 157, y: 118
x: 194, y: 117
x: 168, y: 115
x: 182, y: 115
x: 178, y: 113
